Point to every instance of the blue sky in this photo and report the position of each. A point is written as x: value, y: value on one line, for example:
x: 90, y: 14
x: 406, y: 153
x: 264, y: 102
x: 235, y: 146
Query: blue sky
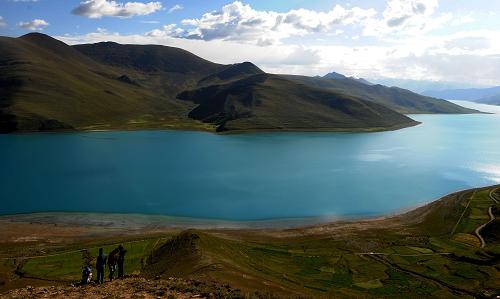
x: 436, y: 40
x: 62, y: 21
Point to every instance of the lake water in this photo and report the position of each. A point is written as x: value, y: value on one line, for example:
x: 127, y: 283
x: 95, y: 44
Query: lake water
x: 249, y: 176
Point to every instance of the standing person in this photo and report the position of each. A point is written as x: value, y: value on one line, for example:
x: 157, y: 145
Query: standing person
x: 100, y: 264
x: 112, y: 260
x: 121, y: 260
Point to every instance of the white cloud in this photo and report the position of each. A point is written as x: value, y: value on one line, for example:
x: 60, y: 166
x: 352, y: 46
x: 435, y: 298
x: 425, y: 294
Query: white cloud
x: 397, y: 42
x: 401, y: 12
x: 272, y: 57
x: 102, y: 30
x: 175, y: 7
x: 313, y: 21
x: 301, y: 56
x: 2, y: 22
x: 36, y: 24
x: 440, y: 58
x: 240, y: 22
x: 104, y: 8
x: 437, y: 58
x: 460, y: 20
x: 407, y: 17
x: 166, y: 31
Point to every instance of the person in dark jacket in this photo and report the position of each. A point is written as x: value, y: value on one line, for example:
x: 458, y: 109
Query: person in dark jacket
x: 112, y: 261
x: 86, y: 275
x: 100, y: 264
x: 121, y: 260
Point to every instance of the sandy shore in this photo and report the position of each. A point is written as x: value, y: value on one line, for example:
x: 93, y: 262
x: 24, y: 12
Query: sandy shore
x: 57, y: 226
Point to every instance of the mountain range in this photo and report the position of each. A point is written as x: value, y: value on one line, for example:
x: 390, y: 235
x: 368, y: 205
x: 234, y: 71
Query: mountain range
x: 489, y: 95
x: 337, y: 76
x: 401, y: 100
x: 420, y: 86
x: 46, y: 84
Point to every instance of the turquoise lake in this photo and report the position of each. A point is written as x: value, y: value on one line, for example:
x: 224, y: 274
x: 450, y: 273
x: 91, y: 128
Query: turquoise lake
x: 250, y: 176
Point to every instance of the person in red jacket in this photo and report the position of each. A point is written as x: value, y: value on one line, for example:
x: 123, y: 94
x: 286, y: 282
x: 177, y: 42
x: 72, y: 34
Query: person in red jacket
x: 112, y: 262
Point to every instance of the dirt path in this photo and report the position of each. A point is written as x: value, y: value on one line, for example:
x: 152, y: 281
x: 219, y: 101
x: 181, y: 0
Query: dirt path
x: 493, y: 196
x: 478, y: 230
x: 492, y: 218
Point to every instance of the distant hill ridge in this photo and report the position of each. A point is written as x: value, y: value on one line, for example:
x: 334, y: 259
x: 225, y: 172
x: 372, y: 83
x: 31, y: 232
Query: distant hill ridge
x: 398, y: 99
x: 338, y: 76
x: 489, y: 95
x: 48, y: 85
x: 231, y: 72
x: 148, y: 58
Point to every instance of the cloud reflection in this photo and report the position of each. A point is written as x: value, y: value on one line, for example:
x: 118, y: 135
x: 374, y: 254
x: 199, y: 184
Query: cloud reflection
x: 491, y: 172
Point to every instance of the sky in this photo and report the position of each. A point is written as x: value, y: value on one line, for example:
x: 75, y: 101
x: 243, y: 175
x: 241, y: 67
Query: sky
x: 432, y: 40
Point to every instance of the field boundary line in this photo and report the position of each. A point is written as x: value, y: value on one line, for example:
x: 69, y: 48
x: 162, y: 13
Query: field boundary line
x: 463, y: 213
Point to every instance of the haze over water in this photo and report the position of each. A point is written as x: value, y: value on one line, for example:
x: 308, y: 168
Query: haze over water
x: 249, y: 176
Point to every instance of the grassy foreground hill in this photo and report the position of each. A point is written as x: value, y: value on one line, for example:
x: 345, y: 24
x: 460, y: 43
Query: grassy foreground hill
x: 48, y: 85
x: 447, y: 249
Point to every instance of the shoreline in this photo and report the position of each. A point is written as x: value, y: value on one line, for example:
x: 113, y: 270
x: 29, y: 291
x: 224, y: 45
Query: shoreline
x: 322, y: 130
x: 134, y: 221
x: 204, y: 127
x: 142, y: 221
x: 210, y: 128
x: 229, y: 132
x: 374, y: 247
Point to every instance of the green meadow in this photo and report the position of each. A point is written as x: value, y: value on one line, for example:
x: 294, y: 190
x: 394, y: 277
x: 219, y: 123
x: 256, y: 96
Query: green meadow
x: 437, y: 255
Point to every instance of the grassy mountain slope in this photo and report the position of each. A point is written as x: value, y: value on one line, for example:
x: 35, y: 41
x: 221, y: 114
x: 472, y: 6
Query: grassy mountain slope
x: 48, y: 85
x: 431, y: 252
x: 266, y: 101
x: 401, y: 100
x: 147, y: 58
x: 163, y: 70
x: 108, y: 85
x: 337, y: 76
x: 53, y: 86
x: 230, y: 73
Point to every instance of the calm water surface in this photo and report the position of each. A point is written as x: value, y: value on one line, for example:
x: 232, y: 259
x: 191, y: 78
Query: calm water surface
x: 249, y: 176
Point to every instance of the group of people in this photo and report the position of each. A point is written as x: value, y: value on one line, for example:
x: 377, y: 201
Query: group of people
x: 114, y: 261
